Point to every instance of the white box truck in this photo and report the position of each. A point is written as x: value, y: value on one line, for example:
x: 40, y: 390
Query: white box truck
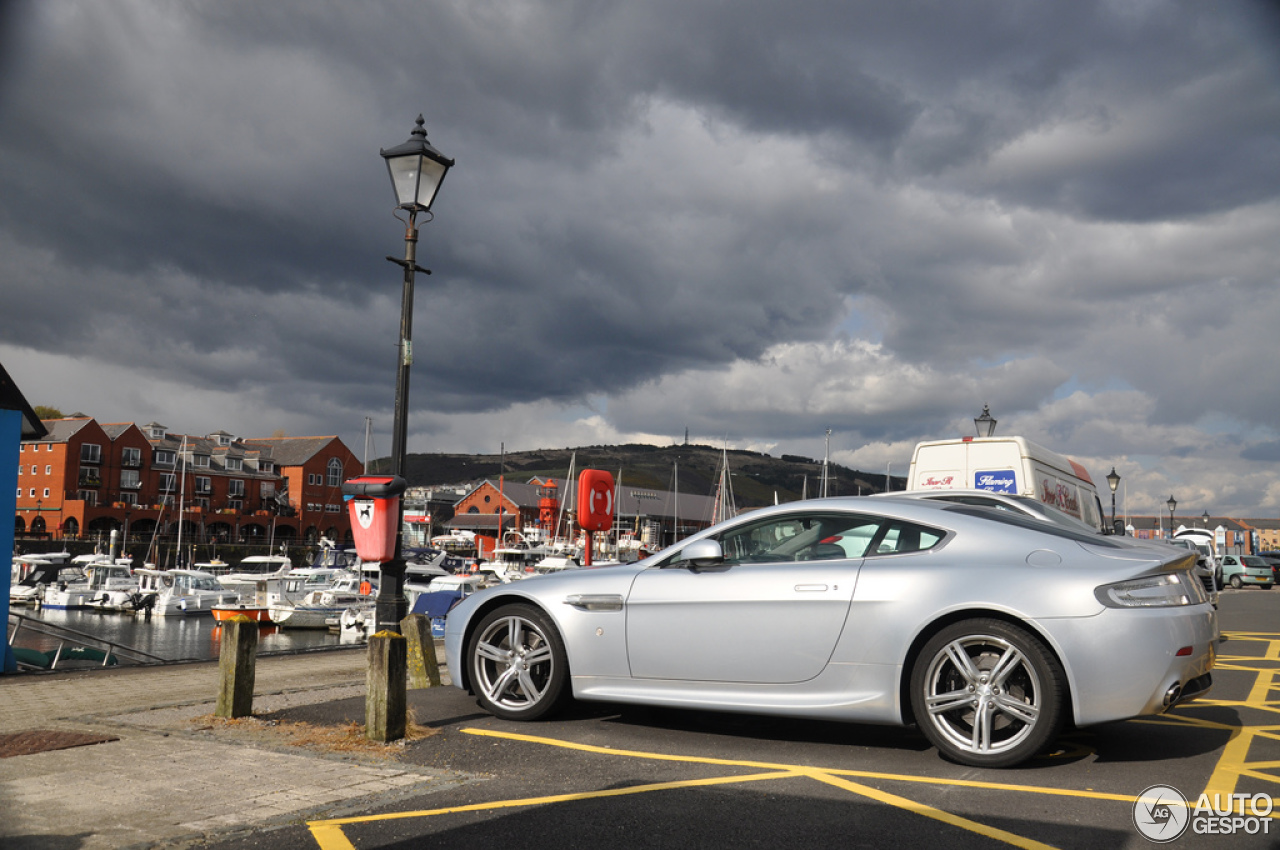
x: 1007, y: 465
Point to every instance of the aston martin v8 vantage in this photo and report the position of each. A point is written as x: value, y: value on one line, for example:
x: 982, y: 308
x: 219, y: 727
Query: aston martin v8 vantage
x: 988, y: 630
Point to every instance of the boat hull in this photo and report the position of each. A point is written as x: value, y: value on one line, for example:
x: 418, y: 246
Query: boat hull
x: 257, y: 614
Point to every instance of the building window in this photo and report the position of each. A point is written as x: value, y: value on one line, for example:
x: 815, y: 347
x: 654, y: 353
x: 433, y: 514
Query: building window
x: 335, y: 472
x: 333, y: 509
x: 35, y: 469
x: 234, y: 464
x: 48, y: 469
x: 267, y: 466
x: 164, y: 457
x: 90, y: 497
x: 130, y: 479
x: 235, y: 487
x: 235, y: 504
x: 200, y: 460
x: 202, y: 503
x: 90, y: 453
x: 90, y: 477
x: 167, y: 501
x: 131, y: 456
x: 204, y: 484
x: 166, y: 482
x: 33, y: 492
x: 46, y: 492
x: 268, y: 490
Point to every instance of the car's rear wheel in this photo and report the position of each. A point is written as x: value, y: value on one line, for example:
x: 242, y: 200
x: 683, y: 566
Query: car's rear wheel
x: 987, y: 693
x: 518, y: 665
x: 1236, y: 582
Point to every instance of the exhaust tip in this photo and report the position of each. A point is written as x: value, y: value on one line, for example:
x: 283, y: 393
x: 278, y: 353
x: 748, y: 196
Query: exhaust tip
x: 1171, y: 695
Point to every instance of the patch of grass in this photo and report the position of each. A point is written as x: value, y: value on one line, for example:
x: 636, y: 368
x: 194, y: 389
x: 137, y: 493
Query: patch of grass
x: 347, y: 738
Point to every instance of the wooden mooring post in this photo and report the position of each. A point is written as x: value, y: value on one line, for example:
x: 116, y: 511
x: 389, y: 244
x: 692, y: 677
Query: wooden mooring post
x: 424, y: 666
x: 237, y: 663
x: 386, y: 706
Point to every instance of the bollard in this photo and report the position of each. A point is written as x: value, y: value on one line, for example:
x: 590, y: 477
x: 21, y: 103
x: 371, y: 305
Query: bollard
x: 424, y: 666
x: 385, y: 706
x: 237, y: 661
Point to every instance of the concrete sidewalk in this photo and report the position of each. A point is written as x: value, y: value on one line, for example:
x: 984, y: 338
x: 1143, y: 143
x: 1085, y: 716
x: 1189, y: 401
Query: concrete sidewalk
x: 174, y: 776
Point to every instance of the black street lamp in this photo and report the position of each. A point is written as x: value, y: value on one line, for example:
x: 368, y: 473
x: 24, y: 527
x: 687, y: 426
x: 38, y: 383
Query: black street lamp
x: 1172, y: 504
x: 417, y: 169
x: 985, y: 423
x: 1113, y: 481
x: 1206, y: 519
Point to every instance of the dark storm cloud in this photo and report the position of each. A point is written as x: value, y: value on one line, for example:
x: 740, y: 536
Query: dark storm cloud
x: 760, y: 218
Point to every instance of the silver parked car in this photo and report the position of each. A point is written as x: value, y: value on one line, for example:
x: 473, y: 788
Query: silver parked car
x: 987, y: 629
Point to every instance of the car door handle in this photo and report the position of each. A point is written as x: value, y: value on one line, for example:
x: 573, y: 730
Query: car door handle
x: 811, y: 587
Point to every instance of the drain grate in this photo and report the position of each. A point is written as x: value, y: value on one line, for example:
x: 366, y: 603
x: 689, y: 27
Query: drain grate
x: 44, y: 740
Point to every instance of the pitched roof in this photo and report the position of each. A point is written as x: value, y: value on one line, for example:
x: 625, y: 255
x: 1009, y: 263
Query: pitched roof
x: 289, y: 451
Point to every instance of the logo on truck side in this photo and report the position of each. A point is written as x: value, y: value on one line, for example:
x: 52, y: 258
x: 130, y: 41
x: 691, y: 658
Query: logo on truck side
x: 1002, y: 481
x: 933, y: 481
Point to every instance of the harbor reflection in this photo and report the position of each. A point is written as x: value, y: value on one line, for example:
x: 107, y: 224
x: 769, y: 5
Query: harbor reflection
x: 192, y: 638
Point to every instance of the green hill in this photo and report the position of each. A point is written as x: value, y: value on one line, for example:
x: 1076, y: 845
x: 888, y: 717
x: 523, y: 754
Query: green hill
x: 756, y: 477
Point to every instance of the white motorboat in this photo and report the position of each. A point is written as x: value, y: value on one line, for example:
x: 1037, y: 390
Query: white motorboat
x: 31, y: 574
x: 314, y: 610
x: 177, y: 593
x: 245, y: 576
x: 106, y: 585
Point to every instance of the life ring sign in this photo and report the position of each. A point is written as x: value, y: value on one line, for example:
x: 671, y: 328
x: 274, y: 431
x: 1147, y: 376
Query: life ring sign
x: 595, y: 500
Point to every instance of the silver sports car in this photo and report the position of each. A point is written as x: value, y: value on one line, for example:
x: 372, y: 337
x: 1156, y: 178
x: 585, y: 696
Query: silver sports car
x: 987, y: 629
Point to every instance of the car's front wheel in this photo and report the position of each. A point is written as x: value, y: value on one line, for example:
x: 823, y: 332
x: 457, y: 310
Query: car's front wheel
x: 1236, y: 582
x: 987, y: 693
x: 517, y: 663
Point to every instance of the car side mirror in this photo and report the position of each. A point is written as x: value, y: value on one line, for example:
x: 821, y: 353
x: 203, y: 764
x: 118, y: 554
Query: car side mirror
x: 1117, y: 527
x: 703, y: 553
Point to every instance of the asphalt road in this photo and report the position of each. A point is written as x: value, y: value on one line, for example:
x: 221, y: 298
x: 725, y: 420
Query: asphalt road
x: 609, y: 776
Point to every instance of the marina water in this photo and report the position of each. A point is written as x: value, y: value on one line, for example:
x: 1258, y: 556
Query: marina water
x: 196, y: 637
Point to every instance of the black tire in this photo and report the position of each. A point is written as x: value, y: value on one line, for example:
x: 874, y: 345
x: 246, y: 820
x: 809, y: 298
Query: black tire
x: 988, y: 669
x: 1236, y: 582
x: 517, y: 663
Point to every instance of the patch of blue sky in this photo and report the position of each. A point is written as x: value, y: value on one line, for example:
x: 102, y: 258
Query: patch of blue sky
x: 1110, y: 384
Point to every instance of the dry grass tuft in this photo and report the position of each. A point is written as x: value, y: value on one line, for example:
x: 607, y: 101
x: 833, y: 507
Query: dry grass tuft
x: 348, y: 739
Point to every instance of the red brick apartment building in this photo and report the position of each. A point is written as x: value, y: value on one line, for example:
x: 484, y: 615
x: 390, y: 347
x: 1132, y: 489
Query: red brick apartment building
x: 86, y: 478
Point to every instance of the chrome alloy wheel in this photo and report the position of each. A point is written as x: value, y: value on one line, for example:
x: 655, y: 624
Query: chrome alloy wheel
x: 518, y: 667
x: 987, y: 693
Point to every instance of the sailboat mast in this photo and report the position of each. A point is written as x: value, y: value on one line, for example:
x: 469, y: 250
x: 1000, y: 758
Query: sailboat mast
x: 368, y: 442
x: 182, y: 498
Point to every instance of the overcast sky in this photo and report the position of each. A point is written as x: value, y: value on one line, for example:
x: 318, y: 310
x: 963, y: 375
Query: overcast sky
x: 754, y: 220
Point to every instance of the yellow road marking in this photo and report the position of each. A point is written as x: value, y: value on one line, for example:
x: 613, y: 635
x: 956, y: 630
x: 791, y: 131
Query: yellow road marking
x: 1231, y: 765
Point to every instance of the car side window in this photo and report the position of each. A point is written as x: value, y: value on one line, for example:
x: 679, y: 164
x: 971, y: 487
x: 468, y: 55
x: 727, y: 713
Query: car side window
x: 802, y: 537
x: 899, y: 538
x: 797, y: 537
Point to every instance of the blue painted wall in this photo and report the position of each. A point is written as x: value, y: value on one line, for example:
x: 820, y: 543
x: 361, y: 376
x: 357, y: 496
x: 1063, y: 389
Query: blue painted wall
x: 10, y: 440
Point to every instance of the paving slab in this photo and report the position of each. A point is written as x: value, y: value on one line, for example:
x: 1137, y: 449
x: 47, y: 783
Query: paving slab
x: 168, y: 773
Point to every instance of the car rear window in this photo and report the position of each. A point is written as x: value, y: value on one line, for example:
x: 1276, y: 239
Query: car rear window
x: 1011, y: 518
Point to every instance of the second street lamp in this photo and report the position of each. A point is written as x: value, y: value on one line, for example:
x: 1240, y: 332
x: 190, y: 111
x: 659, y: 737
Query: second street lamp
x: 1113, y: 481
x: 986, y: 423
x: 1172, y: 505
x: 417, y: 169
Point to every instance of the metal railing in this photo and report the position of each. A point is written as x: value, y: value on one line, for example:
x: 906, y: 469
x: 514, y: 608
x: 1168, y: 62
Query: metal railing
x: 76, y: 639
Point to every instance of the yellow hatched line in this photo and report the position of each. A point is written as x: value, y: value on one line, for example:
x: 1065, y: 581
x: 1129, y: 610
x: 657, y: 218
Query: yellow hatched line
x: 1232, y: 765
x: 1234, y: 761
